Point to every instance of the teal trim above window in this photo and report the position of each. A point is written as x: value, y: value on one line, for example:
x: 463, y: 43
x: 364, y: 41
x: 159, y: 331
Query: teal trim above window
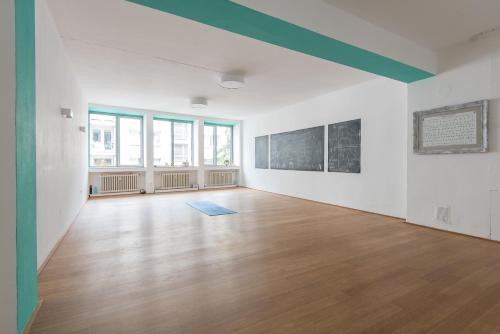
x: 233, y: 17
x: 221, y: 123
x: 116, y: 112
x: 172, y: 118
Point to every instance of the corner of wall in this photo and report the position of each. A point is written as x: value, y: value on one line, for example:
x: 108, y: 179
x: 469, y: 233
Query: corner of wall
x: 62, y: 159
x: 462, y: 182
x: 8, y: 254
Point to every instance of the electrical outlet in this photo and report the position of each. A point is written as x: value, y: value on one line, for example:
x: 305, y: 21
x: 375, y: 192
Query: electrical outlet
x: 443, y: 214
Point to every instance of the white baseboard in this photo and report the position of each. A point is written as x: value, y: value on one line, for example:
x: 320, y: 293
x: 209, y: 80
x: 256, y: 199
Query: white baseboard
x: 221, y: 187
x: 115, y: 194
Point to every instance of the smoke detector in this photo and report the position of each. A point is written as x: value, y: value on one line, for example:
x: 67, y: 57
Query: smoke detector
x: 232, y: 81
x: 199, y: 102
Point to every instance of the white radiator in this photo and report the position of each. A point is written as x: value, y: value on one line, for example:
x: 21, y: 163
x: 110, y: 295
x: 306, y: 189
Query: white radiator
x: 174, y: 180
x: 119, y: 183
x: 221, y: 178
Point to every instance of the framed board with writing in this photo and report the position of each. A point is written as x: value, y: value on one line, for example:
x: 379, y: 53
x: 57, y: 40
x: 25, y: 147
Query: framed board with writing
x: 299, y: 150
x: 454, y: 129
x: 344, y: 147
x: 262, y: 152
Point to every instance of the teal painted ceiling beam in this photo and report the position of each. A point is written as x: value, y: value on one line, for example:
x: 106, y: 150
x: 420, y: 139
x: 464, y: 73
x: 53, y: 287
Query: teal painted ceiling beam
x: 245, y: 21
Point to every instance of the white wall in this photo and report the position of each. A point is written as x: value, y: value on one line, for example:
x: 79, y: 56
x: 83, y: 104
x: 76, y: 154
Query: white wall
x: 381, y: 186
x: 61, y: 147
x: 8, y: 288
x: 467, y: 183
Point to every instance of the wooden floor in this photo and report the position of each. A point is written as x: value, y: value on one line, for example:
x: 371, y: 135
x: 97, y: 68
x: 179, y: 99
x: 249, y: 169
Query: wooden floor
x: 152, y: 264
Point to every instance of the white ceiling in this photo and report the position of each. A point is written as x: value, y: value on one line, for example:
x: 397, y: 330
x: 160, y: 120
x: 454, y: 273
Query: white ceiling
x: 132, y: 56
x: 434, y: 24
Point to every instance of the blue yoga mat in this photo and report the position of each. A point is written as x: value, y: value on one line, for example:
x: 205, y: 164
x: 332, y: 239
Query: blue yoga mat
x: 210, y: 208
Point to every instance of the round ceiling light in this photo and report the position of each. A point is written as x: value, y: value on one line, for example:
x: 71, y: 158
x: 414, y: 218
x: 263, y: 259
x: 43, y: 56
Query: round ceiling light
x: 232, y: 81
x: 199, y: 102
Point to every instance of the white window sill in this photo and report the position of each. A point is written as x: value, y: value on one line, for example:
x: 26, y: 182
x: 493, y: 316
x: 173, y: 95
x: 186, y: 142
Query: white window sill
x: 116, y: 169
x: 222, y: 167
x: 174, y: 168
x: 158, y: 169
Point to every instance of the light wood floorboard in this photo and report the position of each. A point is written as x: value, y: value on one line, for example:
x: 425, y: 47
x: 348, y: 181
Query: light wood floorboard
x: 152, y: 264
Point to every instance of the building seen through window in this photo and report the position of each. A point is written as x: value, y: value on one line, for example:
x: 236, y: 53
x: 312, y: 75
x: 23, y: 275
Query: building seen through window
x: 218, y: 141
x: 173, y: 143
x: 115, y: 140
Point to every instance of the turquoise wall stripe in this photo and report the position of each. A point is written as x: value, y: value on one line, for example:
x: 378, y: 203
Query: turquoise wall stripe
x: 27, y: 290
x: 242, y: 20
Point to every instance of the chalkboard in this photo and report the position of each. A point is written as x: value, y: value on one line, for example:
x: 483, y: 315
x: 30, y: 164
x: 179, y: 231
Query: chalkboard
x: 299, y: 150
x: 262, y: 152
x: 344, y: 147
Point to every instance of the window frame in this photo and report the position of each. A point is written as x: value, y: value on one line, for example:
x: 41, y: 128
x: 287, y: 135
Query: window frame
x: 172, y: 137
x: 214, y: 153
x: 117, y: 117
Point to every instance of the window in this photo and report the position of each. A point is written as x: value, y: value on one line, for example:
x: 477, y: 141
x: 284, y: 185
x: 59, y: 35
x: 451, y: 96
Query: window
x: 208, y: 152
x: 162, y: 143
x: 130, y: 141
x: 218, y: 141
x: 224, y: 142
x: 183, y: 150
x: 173, y: 142
x: 117, y: 140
